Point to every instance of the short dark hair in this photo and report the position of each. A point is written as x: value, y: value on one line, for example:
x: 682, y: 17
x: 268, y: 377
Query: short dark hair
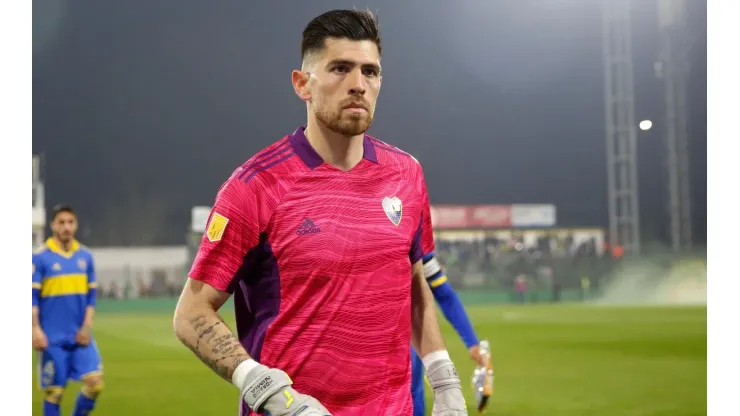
x: 349, y: 24
x: 60, y: 209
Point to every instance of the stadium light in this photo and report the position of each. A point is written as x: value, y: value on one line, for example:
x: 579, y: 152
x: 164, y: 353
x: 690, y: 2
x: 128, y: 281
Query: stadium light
x: 646, y: 125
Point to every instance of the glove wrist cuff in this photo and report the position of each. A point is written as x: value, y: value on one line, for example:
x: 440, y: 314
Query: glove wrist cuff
x: 442, y: 375
x: 259, y: 383
x: 430, y: 358
x: 239, y: 377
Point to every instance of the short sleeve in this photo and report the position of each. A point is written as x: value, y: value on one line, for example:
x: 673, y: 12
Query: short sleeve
x: 92, y: 280
x: 37, y: 271
x: 37, y: 279
x: 232, y: 230
x: 92, y: 283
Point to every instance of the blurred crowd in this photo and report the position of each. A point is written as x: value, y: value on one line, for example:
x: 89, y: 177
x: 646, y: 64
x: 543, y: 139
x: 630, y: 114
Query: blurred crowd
x: 538, y: 271
x: 526, y: 270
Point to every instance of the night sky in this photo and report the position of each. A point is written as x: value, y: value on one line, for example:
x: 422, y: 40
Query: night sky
x: 143, y: 108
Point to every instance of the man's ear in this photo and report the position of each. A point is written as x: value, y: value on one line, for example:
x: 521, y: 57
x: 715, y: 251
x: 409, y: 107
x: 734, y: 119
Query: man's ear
x: 300, y: 84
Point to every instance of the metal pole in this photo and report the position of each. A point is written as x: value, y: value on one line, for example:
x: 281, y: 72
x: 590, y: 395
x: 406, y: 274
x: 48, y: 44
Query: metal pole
x: 621, y: 134
x: 674, y: 60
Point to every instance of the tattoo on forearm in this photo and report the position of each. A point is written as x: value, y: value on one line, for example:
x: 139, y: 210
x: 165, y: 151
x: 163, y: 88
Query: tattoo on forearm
x: 216, y: 346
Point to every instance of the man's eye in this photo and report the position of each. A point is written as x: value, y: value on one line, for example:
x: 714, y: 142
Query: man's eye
x: 341, y: 68
x: 370, y: 72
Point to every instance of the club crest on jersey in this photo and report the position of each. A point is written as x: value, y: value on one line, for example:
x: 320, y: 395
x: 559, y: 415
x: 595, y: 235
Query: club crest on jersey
x: 56, y: 267
x: 393, y: 209
x: 82, y: 264
x: 217, y: 227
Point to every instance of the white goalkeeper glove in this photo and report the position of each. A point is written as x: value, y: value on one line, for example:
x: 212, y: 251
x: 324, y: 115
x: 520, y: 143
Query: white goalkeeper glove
x: 448, y: 394
x: 268, y: 390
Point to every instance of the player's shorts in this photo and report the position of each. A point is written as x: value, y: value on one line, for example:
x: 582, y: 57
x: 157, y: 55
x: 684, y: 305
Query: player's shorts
x: 417, y: 383
x: 59, y: 364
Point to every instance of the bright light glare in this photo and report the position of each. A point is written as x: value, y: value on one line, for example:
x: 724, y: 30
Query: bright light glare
x: 646, y: 125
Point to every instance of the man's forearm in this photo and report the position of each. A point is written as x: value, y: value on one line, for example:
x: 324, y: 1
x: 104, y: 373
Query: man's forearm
x: 89, y: 317
x: 425, y: 334
x: 206, y: 334
x: 35, y: 316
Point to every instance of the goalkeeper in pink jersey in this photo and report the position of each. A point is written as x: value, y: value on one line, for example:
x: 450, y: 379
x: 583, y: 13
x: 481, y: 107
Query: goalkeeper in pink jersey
x: 319, y: 239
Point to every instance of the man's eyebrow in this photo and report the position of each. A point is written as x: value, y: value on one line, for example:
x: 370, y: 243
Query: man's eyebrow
x: 352, y: 63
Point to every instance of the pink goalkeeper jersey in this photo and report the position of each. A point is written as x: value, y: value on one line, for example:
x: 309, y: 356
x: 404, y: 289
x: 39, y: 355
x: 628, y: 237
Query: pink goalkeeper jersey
x: 319, y: 262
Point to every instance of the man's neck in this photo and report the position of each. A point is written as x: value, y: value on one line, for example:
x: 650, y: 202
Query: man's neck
x: 64, y: 246
x: 337, y: 150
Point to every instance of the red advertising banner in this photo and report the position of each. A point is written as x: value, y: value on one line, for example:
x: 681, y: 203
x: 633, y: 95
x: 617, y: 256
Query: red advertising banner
x: 446, y: 217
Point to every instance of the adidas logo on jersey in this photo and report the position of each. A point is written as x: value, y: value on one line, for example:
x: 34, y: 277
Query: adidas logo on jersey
x: 308, y: 227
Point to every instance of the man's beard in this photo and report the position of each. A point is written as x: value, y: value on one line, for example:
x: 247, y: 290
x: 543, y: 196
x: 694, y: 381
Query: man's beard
x: 65, y: 239
x: 348, y: 125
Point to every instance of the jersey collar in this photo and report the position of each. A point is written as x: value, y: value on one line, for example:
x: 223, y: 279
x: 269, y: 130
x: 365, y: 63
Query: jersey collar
x: 308, y: 155
x: 56, y: 248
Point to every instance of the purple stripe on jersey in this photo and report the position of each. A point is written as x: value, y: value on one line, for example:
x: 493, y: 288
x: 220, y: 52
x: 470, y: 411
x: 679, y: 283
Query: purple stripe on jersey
x: 281, y: 145
x: 416, y: 253
x: 269, y: 165
x: 389, y: 148
x: 271, y: 155
x: 257, y: 298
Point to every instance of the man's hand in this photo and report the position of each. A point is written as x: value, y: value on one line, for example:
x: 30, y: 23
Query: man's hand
x: 269, y: 391
x: 448, y: 395
x: 83, y: 336
x: 475, y: 355
x: 39, y: 341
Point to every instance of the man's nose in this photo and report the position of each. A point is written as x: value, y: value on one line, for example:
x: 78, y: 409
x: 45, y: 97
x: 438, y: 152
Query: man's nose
x: 358, y: 83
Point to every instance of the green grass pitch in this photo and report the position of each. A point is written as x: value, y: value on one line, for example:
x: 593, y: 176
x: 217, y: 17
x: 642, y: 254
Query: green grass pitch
x: 549, y: 360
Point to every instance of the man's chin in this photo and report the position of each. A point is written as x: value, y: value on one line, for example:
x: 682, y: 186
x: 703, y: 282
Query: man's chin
x: 352, y: 127
x: 348, y: 125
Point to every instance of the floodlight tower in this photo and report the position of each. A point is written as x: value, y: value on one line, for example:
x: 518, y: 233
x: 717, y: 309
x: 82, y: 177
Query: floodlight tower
x: 621, y: 134
x: 673, y: 68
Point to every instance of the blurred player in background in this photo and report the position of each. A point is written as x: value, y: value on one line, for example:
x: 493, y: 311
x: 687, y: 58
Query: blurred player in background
x: 319, y: 238
x: 64, y: 290
x: 453, y: 310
